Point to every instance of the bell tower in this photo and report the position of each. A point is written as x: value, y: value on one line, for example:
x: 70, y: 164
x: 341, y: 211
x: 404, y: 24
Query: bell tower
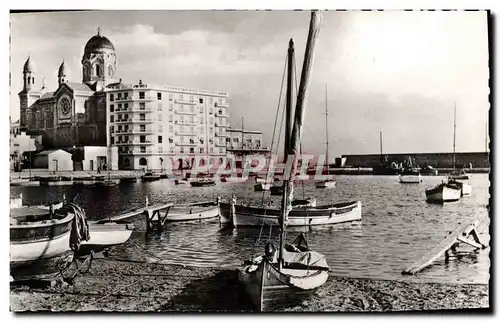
x: 99, y: 62
x: 28, y: 95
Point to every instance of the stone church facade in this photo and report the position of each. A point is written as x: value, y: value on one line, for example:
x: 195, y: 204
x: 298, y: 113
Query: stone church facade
x: 75, y: 113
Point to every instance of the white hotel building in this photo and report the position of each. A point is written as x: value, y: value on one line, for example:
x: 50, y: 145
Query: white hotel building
x: 155, y: 126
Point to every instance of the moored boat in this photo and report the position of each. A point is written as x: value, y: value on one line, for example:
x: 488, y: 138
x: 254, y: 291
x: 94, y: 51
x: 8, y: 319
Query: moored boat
x: 260, y: 187
x: 204, y: 181
x: 326, y: 184
x: 193, y: 212
x: 410, y: 179
x: 298, y: 216
x: 150, y: 177
x: 443, y: 193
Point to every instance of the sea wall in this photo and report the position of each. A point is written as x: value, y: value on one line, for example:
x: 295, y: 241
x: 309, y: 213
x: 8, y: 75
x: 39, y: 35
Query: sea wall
x: 437, y: 160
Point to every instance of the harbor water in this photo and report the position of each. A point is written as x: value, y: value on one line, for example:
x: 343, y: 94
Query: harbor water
x: 398, y: 226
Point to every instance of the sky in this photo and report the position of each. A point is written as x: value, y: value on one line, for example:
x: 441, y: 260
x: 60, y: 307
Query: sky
x: 401, y: 72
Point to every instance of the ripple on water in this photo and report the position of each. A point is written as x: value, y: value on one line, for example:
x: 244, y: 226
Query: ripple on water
x: 398, y: 226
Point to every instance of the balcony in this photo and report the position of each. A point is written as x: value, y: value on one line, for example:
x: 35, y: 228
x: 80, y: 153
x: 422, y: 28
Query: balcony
x: 222, y: 105
x: 220, y: 135
x: 221, y: 125
x: 220, y: 144
x: 178, y: 122
x: 222, y: 115
x: 185, y: 133
x: 146, y: 142
x: 135, y: 110
x: 177, y: 101
x: 186, y: 144
x: 136, y: 120
x: 185, y: 112
x: 125, y: 143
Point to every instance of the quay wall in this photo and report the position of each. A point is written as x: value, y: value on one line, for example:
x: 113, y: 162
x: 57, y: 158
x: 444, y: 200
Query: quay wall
x: 437, y: 160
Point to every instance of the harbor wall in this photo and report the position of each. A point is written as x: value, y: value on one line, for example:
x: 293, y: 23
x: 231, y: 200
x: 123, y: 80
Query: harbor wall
x: 437, y: 160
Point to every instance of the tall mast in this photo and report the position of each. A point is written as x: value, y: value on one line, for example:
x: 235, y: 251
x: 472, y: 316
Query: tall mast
x: 454, y: 132
x: 326, y: 126
x: 314, y: 28
x: 289, y: 99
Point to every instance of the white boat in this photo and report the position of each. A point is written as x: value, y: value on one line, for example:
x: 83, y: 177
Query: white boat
x: 105, y: 234
x: 192, y: 212
x: 443, y: 193
x: 465, y: 186
x: 299, y: 216
x: 328, y: 183
x: 287, y: 276
x: 410, y: 179
x: 17, y: 202
x: 260, y: 187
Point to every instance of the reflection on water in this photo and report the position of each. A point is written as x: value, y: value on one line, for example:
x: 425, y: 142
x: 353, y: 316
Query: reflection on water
x: 398, y: 226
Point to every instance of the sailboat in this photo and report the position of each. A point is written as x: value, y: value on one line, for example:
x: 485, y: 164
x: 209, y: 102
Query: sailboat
x: 459, y: 178
x: 385, y: 167
x: 275, y: 280
x: 410, y: 174
x: 450, y: 190
x: 327, y: 183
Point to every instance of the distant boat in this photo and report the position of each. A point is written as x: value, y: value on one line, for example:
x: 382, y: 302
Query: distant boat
x: 429, y: 171
x: 202, y: 181
x: 150, y: 177
x: 327, y: 183
x: 181, y: 181
x: 385, y: 167
x: 260, y: 187
x: 443, y: 193
x: 410, y: 174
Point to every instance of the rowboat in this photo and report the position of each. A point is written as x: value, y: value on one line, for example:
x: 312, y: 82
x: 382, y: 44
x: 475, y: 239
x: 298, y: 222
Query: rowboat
x: 200, y: 182
x: 38, y: 240
x: 289, y: 274
x: 193, y: 212
x: 298, y: 216
x: 105, y: 234
x: 442, y: 193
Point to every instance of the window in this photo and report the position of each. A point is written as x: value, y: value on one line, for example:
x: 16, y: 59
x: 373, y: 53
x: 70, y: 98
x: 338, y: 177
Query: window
x: 119, y: 96
x: 160, y: 139
x: 191, y: 98
x: 125, y: 106
x: 170, y: 96
x: 170, y: 139
x: 182, y: 139
x: 142, y: 106
x: 111, y: 118
x: 160, y: 128
x: 171, y: 150
x: 142, y: 116
x: 191, y: 129
x: 202, y: 150
x: 181, y: 149
x: 191, y: 109
x: 191, y: 119
x: 112, y: 140
x: 111, y: 97
x: 201, y: 100
x: 191, y: 150
x: 182, y: 119
x: 181, y: 108
x: 119, y: 117
x: 235, y: 139
x: 142, y: 128
x: 211, y: 149
x: 119, y: 128
x: 111, y: 129
x: 171, y: 107
x: 221, y: 151
x: 126, y: 128
x: 160, y: 107
x: 228, y: 140
x: 141, y: 95
x: 158, y: 95
x: 201, y: 140
x: 170, y: 128
x: 202, y: 120
x: 98, y: 70
x: 215, y: 104
x: 143, y: 150
x: 160, y: 149
x: 111, y: 108
x: 211, y: 130
x: 142, y: 139
x: 160, y: 117
x: 125, y: 95
x: 201, y: 110
x: 170, y: 118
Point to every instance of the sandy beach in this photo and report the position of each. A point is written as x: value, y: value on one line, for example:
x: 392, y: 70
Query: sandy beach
x: 125, y: 286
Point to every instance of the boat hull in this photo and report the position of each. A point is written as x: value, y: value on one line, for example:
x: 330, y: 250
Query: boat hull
x: 410, y: 179
x: 443, y: 193
x: 269, y: 289
x: 303, y: 216
x: 260, y: 187
x: 326, y: 184
x: 202, y: 183
x: 37, y: 248
x: 105, y: 235
x: 192, y: 213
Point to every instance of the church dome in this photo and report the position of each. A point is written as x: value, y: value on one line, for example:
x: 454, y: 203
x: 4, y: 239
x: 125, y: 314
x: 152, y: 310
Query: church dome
x: 28, y: 66
x: 97, y: 43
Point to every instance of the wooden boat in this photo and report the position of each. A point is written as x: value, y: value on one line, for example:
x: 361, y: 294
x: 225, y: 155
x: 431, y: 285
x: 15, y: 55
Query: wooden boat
x: 105, y: 234
x: 465, y: 186
x: 299, y: 216
x: 18, y: 203
x: 38, y: 240
x: 204, y: 181
x: 410, y: 174
x: 326, y: 183
x: 442, y: 193
x: 260, y: 187
x: 128, y: 179
x: 150, y: 177
x: 286, y: 276
x: 193, y: 212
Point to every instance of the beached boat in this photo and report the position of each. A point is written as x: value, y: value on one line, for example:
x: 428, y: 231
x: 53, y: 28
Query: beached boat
x: 150, y: 177
x: 442, y: 193
x: 39, y: 238
x: 289, y: 274
x: 326, y: 183
x: 193, y: 212
x: 105, y: 234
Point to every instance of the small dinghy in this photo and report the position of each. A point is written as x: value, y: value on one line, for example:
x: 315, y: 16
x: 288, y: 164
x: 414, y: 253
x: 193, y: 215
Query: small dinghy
x: 193, y: 212
x: 105, y: 234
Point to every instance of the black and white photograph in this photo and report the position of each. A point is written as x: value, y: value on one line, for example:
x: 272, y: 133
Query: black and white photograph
x: 313, y: 160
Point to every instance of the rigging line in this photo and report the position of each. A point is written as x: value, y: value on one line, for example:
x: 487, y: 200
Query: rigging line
x: 272, y: 143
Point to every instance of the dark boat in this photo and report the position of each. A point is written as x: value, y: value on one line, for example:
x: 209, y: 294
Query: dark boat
x: 428, y: 171
x: 200, y: 182
x: 150, y: 177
